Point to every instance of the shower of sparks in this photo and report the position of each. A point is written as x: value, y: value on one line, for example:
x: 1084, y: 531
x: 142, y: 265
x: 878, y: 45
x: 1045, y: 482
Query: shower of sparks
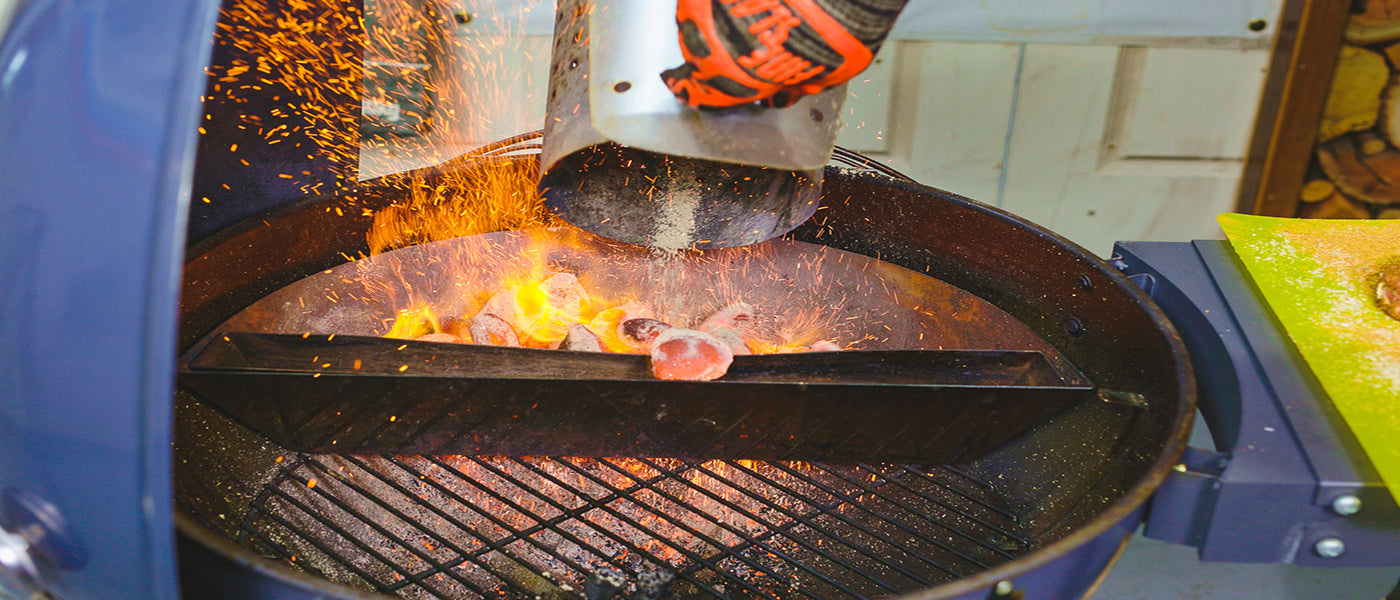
x: 324, y: 52
x: 799, y: 297
x: 310, y: 48
x: 304, y: 72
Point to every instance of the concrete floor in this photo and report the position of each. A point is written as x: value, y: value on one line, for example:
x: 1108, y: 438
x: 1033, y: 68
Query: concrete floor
x: 1153, y: 570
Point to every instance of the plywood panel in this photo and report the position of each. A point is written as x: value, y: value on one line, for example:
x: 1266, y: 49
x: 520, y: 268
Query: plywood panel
x: 1185, y: 103
x: 1216, y: 23
x: 1054, y: 176
x: 1180, y: 22
x: 866, y: 114
x: 950, y: 113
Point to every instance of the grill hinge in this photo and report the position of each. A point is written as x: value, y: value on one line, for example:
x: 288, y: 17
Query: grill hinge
x: 1181, y: 511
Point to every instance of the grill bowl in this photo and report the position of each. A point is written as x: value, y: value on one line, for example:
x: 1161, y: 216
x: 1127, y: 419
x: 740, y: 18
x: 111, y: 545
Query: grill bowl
x: 1066, y: 491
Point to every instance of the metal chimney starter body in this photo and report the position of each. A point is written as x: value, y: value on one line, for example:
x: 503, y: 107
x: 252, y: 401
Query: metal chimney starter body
x: 623, y: 158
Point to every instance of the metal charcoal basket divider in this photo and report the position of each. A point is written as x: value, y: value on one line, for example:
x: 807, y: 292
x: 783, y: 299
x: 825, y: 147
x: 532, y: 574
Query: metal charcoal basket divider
x: 816, y: 550
x: 379, y: 395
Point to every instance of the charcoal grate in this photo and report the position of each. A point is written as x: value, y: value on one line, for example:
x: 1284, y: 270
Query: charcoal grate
x: 450, y: 527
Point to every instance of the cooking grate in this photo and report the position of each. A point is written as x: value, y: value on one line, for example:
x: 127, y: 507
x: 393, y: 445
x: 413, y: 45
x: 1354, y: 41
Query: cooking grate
x: 486, y: 527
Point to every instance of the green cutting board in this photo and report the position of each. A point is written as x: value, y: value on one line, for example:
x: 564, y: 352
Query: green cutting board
x: 1319, y: 278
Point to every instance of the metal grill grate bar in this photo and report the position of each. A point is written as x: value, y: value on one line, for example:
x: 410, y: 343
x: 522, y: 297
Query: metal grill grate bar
x: 832, y: 510
x: 678, y: 523
x: 875, y: 491
x: 590, y: 504
x: 960, y: 493
x: 419, y: 577
x: 346, y: 535
x: 650, y: 484
x: 488, y: 545
x: 793, y: 522
x: 485, y: 527
x: 758, y: 541
x: 735, y: 552
x: 962, y: 513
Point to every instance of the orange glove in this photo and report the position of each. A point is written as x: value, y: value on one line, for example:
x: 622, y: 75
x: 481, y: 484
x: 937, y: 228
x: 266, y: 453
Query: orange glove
x: 774, y: 51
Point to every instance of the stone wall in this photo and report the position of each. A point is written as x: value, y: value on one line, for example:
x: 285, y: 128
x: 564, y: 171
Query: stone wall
x: 1355, y: 172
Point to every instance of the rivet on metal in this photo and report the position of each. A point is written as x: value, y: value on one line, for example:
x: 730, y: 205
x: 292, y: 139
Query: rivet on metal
x: 1346, y: 505
x: 1330, y: 547
x: 1085, y: 283
x: 1074, y: 326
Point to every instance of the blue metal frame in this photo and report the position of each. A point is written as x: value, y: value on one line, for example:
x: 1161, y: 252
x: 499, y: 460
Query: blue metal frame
x: 1282, y: 453
x: 100, y: 102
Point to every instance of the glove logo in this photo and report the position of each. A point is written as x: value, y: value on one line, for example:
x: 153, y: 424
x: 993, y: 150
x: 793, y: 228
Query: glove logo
x: 770, y: 60
x: 737, y: 52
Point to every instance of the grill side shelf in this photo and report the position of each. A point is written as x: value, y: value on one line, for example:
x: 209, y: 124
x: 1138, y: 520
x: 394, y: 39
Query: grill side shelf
x: 379, y: 395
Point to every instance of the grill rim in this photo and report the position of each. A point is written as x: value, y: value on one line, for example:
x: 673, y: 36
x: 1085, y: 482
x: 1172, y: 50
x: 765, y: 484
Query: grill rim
x: 1102, y: 522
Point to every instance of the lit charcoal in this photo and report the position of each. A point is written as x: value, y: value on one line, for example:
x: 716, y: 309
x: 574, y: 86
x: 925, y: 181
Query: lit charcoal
x: 548, y: 309
x: 640, y: 333
x: 494, y: 324
x: 824, y: 346
x: 606, y: 322
x: 502, y: 306
x: 731, y: 338
x: 604, y: 584
x: 446, y: 338
x: 491, y: 330
x: 410, y: 323
x: 653, y: 585
x: 733, y: 325
x: 687, y: 354
x: 580, y: 339
x: 454, y: 325
x: 737, y: 316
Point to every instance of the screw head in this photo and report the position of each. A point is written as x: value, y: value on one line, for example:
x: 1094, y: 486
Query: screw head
x: 1346, y: 505
x: 1329, y: 547
x: 1003, y: 589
